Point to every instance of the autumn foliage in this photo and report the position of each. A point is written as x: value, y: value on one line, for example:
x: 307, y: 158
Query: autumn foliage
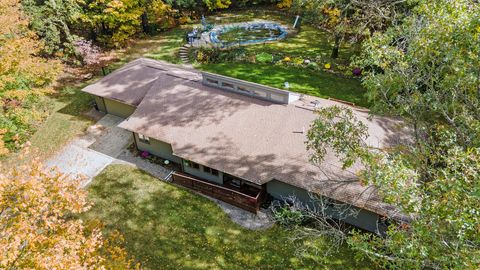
x: 40, y: 228
x: 24, y: 77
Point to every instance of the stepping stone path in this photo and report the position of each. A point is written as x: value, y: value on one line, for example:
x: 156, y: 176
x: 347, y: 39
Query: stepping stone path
x: 184, y: 53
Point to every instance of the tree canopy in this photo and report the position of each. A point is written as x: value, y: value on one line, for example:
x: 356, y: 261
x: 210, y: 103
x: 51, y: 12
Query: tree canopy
x: 40, y: 228
x: 25, y: 77
x: 426, y: 71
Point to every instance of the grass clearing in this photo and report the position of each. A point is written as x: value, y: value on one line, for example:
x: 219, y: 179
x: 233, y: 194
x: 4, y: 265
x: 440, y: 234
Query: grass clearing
x: 167, y: 227
x: 65, y: 123
x: 164, y: 46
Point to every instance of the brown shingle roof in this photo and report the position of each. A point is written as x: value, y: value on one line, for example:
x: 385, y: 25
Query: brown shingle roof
x: 253, y: 139
x: 128, y: 84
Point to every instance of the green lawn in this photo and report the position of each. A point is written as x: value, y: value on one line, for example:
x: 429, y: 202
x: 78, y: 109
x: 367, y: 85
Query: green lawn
x: 304, y: 81
x: 310, y: 43
x: 66, y: 121
x: 166, y: 227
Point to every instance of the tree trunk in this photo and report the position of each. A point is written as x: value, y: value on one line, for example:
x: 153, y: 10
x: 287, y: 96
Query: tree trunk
x: 336, y: 47
x: 145, y: 22
x: 93, y: 34
x: 104, y: 28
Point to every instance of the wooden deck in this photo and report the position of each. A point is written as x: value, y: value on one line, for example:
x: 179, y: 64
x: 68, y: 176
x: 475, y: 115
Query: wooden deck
x: 233, y: 197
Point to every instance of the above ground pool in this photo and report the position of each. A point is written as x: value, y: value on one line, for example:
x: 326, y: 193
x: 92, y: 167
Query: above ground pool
x: 247, y: 33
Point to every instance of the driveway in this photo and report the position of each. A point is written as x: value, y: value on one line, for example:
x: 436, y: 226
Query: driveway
x: 91, y: 153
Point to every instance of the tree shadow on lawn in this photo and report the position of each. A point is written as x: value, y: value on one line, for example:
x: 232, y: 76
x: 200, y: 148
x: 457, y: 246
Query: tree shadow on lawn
x: 170, y: 228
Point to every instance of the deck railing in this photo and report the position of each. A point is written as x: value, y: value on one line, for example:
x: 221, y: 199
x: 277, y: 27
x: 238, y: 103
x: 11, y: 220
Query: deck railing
x: 239, y: 199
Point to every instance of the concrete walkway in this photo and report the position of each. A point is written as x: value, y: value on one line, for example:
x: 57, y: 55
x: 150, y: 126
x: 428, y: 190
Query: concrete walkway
x: 89, y: 154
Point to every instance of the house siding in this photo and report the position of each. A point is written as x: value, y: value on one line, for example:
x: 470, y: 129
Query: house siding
x: 118, y: 108
x: 157, y: 148
x: 204, y: 175
x: 100, y: 104
x: 364, y: 219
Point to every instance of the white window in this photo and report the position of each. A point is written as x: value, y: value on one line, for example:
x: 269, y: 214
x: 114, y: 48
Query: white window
x: 260, y: 93
x: 276, y: 97
x: 143, y: 139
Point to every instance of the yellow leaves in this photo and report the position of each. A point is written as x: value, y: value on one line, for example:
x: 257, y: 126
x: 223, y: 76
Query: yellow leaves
x: 19, y: 95
x: 217, y: 4
x: 39, y: 219
x: 3, y: 149
x: 23, y: 73
x: 333, y: 15
x: 285, y: 4
x: 115, y: 4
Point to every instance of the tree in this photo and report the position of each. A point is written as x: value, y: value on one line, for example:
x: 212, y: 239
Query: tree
x: 157, y: 16
x: 348, y: 19
x: 113, y: 22
x: 425, y: 70
x: 24, y: 77
x: 39, y: 228
x: 217, y: 4
x: 52, y: 21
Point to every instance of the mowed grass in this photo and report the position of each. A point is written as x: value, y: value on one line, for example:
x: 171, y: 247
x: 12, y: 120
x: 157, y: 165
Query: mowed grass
x: 310, y: 43
x: 66, y: 122
x: 164, y: 46
x: 167, y: 227
x: 303, y: 81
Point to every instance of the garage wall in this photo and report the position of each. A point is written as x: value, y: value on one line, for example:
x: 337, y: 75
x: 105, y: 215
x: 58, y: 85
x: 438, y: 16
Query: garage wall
x: 364, y: 219
x: 158, y: 148
x: 100, y: 104
x: 118, y: 109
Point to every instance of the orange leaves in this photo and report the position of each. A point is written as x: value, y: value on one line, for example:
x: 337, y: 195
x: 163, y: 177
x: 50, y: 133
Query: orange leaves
x: 39, y: 227
x: 35, y: 232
